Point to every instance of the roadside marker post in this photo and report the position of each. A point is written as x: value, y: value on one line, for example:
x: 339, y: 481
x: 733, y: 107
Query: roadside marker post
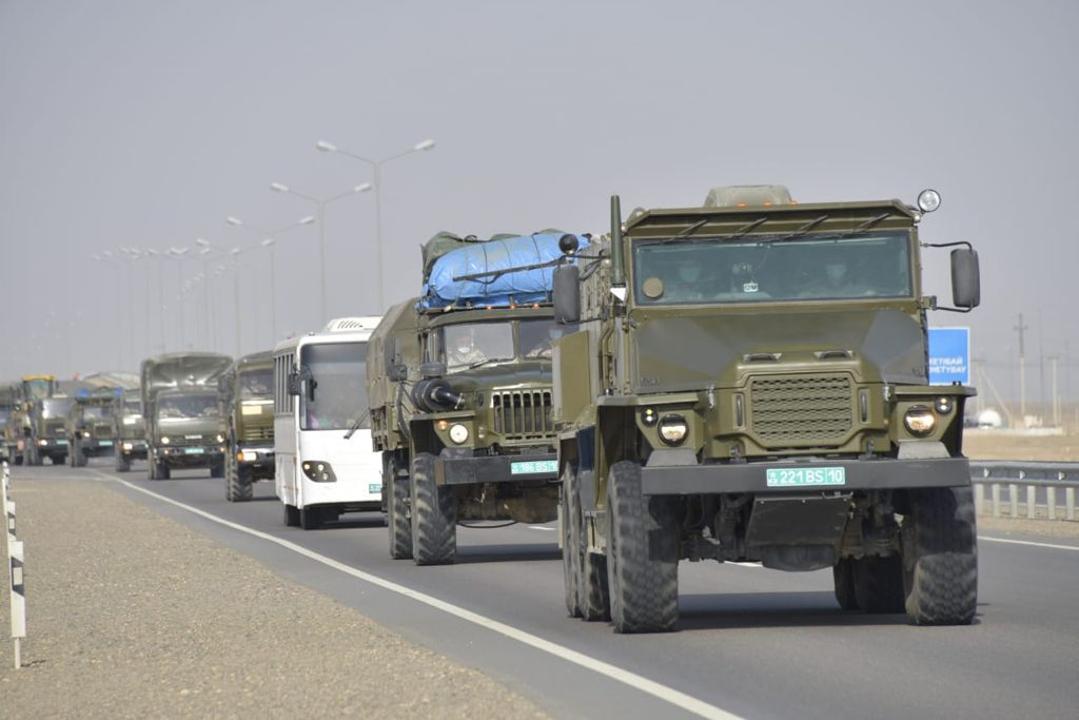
x: 16, y: 580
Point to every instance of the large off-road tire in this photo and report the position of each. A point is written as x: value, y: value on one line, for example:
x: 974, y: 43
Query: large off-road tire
x: 238, y: 484
x: 162, y: 471
x: 80, y: 458
x: 311, y: 517
x: 878, y: 584
x: 593, y: 597
x: 292, y: 516
x: 33, y: 457
x: 642, y: 554
x: 123, y: 463
x: 73, y: 454
x: 398, y: 521
x: 217, y: 470
x: 434, y: 515
x: 940, y: 563
x: 569, y: 547
x: 843, y: 579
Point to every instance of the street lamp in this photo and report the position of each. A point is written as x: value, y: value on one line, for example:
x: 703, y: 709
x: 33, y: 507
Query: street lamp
x: 320, y: 205
x: 376, y: 166
x: 271, y: 236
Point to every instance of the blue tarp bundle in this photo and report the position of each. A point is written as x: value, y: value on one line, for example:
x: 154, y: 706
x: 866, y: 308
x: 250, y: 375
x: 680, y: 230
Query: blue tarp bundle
x: 519, y: 287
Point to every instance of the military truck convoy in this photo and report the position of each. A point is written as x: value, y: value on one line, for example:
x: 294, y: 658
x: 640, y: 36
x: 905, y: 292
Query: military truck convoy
x: 741, y: 381
x: 185, y: 427
x: 466, y: 431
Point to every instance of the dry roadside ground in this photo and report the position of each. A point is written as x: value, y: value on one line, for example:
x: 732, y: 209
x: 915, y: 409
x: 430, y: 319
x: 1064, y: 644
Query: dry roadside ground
x: 133, y: 615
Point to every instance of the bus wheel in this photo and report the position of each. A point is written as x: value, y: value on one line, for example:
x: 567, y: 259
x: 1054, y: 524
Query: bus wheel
x: 292, y: 516
x: 434, y: 515
x: 310, y: 518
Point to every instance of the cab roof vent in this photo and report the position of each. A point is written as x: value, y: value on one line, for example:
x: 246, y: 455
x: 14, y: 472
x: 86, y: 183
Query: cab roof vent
x: 748, y: 196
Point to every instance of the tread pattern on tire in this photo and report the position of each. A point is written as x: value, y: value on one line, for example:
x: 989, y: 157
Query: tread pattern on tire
x: 238, y: 484
x: 941, y: 571
x: 642, y: 554
x: 593, y: 596
x: 569, y: 541
x: 843, y: 581
x: 434, y: 515
x: 397, y: 516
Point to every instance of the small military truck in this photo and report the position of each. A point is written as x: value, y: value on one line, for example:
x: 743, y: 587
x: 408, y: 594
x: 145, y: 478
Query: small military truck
x: 20, y: 426
x: 8, y: 417
x: 90, y: 424
x: 45, y: 433
x: 247, y: 404
x: 129, y: 429
x: 749, y: 383
x: 459, y: 387
x: 182, y: 411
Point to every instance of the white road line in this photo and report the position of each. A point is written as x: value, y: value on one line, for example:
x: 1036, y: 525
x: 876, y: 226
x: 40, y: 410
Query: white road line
x: 541, y: 527
x: 662, y: 692
x: 1028, y: 542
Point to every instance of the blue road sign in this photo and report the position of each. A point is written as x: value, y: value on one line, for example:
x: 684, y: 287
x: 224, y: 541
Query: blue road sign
x: 949, y: 356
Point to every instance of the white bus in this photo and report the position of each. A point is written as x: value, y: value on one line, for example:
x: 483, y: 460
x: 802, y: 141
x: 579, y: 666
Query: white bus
x: 324, y: 464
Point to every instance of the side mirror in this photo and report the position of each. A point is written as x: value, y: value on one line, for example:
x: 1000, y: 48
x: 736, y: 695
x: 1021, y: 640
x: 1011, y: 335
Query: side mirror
x: 429, y: 370
x: 566, y: 291
x: 397, y: 372
x: 966, y: 278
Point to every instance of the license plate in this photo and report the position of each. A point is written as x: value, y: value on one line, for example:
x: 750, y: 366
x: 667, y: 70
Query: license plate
x: 374, y: 488
x: 533, y: 467
x: 194, y: 451
x: 61, y: 442
x: 806, y: 477
x: 105, y: 443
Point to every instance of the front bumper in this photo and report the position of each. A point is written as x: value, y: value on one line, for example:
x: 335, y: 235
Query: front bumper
x: 191, y: 456
x: 451, y: 470
x: 52, y: 445
x: 132, y: 448
x: 751, y: 477
x: 259, y: 459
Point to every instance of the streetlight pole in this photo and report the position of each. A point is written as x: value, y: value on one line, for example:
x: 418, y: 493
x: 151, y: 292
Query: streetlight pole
x: 320, y: 206
x: 270, y: 241
x: 376, y: 166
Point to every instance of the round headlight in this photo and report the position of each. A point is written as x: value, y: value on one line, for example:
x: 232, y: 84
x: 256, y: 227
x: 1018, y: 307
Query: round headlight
x: 458, y: 433
x: 920, y: 420
x: 928, y: 200
x: 85, y: 434
x: 944, y: 405
x: 164, y: 439
x: 220, y: 437
x: 673, y: 429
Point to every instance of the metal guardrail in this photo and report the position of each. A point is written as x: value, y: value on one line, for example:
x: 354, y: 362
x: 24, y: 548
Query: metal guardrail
x: 1048, y: 479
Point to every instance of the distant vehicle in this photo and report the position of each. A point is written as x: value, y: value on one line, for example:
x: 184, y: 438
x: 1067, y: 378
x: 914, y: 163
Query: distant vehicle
x: 129, y: 430
x: 749, y: 382
x: 324, y: 464
x: 247, y: 403
x: 184, y: 425
x: 45, y: 433
x: 460, y: 382
x: 8, y: 430
x: 90, y: 425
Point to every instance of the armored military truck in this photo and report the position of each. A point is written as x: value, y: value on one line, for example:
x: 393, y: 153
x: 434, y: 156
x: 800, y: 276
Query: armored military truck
x: 247, y: 404
x: 749, y: 383
x: 129, y: 429
x: 90, y: 424
x: 460, y: 392
x: 184, y: 425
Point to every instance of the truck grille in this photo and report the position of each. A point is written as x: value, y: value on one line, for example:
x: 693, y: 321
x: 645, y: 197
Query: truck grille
x: 103, y: 431
x: 256, y: 434
x: 522, y: 414
x: 802, y: 410
x: 54, y: 429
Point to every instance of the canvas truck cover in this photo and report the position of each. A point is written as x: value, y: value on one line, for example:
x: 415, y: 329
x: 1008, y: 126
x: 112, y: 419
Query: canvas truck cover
x: 500, y: 289
x: 181, y: 370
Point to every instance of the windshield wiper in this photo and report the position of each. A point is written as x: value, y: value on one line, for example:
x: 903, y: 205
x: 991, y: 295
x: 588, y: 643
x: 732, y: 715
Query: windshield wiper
x: 802, y: 230
x: 356, y: 424
x: 488, y: 361
x: 866, y: 225
x: 740, y: 232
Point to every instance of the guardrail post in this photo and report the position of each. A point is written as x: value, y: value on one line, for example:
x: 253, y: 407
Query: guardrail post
x: 979, y: 498
x: 1032, y: 502
x: 1069, y: 502
x: 1051, y: 501
x: 994, y: 491
x: 1013, y: 496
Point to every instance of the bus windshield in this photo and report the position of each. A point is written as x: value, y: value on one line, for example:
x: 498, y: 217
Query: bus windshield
x: 339, y: 372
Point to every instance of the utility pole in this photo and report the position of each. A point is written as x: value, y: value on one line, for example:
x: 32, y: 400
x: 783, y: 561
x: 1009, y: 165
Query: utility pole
x: 1021, y: 329
x: 1056, y: 395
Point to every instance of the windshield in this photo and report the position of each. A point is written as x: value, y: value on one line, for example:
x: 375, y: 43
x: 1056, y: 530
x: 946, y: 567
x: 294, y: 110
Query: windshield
x: 536, y: 337
x: 339, y: 371
x: 36, y: 389
x: 256, y: 384
x: 132, y: 407
x: 95, y: 412
x: 183, y: 407
x: 773, y: 268
x: 54, y: 408
x: 473, y: 344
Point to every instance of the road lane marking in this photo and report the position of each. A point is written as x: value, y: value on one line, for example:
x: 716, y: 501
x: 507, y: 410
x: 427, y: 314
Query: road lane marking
x: 662, y: 692
x: 1029, y: 542
x: 541, y: 527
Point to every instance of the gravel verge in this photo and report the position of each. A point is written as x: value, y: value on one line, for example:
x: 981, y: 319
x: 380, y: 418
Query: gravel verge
x: 133, y: 615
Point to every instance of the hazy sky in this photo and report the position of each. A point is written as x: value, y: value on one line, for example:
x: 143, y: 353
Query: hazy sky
x: 145, y: 123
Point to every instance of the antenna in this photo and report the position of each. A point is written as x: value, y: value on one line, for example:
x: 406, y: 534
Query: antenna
x: 618, y: 276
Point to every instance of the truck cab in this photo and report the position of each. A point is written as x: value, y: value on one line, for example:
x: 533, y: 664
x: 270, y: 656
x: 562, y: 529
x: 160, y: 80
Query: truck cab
x: 129, y: 430
x: 90, y: 425
x: 247, y: 403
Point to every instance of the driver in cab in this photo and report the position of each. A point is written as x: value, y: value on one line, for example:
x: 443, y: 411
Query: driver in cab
x: 462, y: 350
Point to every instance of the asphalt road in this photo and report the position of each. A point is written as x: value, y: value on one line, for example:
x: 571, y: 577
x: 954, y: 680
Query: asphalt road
x: 752, y: 642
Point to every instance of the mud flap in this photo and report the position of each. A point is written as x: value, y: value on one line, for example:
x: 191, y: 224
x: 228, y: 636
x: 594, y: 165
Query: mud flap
x: 797, y: 533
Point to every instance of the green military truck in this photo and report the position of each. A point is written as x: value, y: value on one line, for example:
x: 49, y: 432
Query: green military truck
x: 184, y: 425
x: 45, y: 430
x: 8, y: 421
x: 129, y: 429
x: 460, y: 395
x: 90, y: 424
x: 749, y: 383
x: 247, y: 405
